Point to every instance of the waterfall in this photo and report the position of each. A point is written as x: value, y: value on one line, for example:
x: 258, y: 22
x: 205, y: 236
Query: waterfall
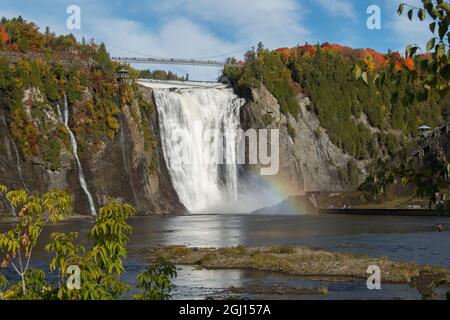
x: 16, y: 151
x: 198, y: 134
x: 64, y: 119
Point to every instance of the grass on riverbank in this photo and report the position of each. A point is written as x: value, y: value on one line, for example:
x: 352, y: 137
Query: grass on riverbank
x: 299, y: 261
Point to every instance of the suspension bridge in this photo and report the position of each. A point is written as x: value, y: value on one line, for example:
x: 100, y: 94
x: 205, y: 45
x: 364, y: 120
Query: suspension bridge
x: 173, y: 61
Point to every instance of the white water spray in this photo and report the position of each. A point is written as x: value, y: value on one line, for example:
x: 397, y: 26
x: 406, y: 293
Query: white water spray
x: 64, y: 119
x: 185, y: 115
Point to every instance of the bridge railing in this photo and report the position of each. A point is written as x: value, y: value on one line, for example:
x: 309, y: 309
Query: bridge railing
x: 195, y: 62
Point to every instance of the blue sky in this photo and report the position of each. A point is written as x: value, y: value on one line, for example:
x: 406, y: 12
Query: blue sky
x: 210, y: 28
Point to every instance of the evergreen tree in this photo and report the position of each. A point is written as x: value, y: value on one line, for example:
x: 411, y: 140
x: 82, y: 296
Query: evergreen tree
x: 103, y: 59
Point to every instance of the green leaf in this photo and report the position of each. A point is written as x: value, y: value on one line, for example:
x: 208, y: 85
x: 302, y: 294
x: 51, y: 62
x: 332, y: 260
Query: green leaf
x: 413, y: 50
x: 431, y: 44
x: 440, y: 50
x: 377, y: 80
x: 445, y: 72
x: 433, y: 27
x: 410, y: 14
x: 364, y: 77
x: 443, y: 28
x: 435, y: 13
x: 401, y: 7
x: 421, y: 14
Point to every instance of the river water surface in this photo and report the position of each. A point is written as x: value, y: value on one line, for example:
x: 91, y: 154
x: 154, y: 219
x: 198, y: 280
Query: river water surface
x: 399, y: 238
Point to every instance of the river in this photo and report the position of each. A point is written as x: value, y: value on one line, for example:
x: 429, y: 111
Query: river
x: 399, y: 238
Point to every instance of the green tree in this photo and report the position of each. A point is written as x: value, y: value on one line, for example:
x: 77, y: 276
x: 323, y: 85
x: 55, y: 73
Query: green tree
x: 156, y: 282
x: 3, y: 285
x: 103, y: 59
x: 34, y: 214
x: 101, y: 266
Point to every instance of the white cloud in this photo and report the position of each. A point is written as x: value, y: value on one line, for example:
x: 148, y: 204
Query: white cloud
x: 185, y: 28
x: 411, y: 32
x: 339, y: 8
x: 188, y: 30
x: 274, y: 22
x: 178, y: 37
x: 407, y: 32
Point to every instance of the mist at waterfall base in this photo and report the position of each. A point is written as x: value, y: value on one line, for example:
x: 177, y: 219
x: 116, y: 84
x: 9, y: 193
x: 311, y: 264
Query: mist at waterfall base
x: 204, y: 184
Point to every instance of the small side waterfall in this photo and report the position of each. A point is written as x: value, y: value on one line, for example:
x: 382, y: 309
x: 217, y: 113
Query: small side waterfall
x: 16, y: 151
x: 64, y: 119
x: 199, y: 139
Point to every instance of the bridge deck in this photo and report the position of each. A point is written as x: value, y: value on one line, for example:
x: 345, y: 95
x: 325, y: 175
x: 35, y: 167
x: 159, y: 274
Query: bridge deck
x: 167, y: 84
x: 193, y: 62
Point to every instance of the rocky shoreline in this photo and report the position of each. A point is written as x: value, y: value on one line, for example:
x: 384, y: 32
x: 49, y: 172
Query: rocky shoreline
x: 305, y: 262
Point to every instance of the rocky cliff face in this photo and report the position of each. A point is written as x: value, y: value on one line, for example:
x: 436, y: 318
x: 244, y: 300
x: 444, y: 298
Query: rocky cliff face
x: 309, y: 161
x: 130, y: 166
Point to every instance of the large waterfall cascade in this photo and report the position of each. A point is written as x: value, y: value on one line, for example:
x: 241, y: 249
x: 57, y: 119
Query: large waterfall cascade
x: 199, y: 139
x: 64, y: 119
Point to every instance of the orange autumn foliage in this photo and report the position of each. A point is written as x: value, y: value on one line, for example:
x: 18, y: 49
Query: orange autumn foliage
x: 4, y: 37
x: 284, y: 52
x: 409, y: 64
x: 373, y: 59
x: 307, y: 48
x: 335, y: 47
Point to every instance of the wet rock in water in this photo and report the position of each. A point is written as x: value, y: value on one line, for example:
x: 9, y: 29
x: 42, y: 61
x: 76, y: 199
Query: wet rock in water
x: 426, y: 283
